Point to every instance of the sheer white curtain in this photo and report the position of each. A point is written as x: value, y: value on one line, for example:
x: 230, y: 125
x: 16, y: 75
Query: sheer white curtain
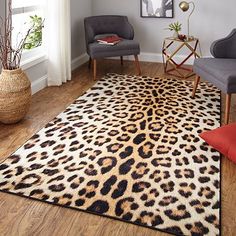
x: 58, y: 38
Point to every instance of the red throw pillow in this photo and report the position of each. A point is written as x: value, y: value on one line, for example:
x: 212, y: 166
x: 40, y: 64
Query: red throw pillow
x: 223, y: 140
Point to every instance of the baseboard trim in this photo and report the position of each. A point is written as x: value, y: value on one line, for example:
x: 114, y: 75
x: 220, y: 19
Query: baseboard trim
x: 39, y: 84
x: 78, y: 61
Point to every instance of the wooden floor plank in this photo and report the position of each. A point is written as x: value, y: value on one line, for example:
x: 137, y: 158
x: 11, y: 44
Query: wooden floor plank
x: 21, y: 216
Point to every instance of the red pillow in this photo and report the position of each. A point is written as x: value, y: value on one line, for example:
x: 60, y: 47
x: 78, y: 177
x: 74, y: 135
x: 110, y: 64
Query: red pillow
x: 223, y: 140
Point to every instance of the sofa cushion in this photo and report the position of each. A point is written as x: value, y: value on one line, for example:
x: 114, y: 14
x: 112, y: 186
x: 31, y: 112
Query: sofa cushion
x: 223, y: 139
x: 220, y: 72
x: 124, y: 47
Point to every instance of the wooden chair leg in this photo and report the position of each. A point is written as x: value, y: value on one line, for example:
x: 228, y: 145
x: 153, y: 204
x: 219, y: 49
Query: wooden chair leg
x: 196, y: 82
x: 137, y: 64
x: 90, y: 62
x: 227, y: 108
x: 121, y: 60
x: 94, y: 69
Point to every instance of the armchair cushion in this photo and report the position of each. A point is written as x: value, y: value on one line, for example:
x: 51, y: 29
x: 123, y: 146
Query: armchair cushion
x: 218, y: 71
x: 124, y: 47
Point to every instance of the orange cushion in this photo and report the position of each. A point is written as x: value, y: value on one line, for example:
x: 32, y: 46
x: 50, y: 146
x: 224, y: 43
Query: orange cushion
x: 223, y: 140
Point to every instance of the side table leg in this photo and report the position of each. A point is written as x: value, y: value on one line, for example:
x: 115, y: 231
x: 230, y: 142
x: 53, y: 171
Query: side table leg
x: 163, y: 56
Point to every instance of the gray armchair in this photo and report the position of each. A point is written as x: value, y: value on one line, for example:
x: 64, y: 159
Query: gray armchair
x: 98, y: 26
x: 220, y: 70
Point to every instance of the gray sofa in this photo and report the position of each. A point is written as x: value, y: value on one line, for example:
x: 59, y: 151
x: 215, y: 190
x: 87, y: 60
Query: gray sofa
x: 220, y: 70
x: 96, y: 26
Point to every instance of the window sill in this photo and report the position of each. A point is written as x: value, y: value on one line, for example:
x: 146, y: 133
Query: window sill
x: 33, y: 61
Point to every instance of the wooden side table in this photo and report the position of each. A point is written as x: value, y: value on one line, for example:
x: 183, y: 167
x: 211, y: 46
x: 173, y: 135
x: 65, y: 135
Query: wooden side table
x: 171, y: 66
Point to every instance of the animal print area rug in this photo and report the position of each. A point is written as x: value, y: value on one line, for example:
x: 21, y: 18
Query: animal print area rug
x: 128, y: 149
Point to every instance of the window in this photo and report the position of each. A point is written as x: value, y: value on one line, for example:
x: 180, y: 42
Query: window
x: 24, y: 13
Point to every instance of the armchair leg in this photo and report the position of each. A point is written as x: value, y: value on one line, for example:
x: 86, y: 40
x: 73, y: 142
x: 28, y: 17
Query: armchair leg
x: 137, y: 64
x: 227, y: 108
x: 94, y: 69
x: 196, y: 82
x: 90, y: 62
x: 121, y: 60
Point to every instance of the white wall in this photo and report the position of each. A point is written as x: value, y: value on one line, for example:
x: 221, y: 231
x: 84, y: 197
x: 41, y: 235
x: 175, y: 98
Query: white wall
x: 211, y: 20
x: 79, y: 10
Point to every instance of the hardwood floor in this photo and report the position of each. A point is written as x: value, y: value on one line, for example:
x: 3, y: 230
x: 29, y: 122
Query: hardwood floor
x: 21, y: 216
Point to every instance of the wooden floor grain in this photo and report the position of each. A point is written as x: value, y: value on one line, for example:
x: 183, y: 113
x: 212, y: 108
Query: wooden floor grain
x: 21, y: 216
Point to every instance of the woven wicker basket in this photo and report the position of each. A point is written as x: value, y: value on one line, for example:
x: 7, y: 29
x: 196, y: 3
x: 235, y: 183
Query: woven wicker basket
x: 15, y: 96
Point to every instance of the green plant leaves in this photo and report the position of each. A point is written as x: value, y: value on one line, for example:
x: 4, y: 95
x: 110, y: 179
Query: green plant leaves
x: 34, y: 39
x: 176, y: 26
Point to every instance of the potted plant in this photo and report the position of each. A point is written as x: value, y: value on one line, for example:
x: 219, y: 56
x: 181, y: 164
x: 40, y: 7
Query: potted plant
x: 15, y: 87
x: 176, y: 27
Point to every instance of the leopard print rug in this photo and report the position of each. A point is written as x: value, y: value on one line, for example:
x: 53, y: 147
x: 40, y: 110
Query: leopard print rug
x: 128, y: 149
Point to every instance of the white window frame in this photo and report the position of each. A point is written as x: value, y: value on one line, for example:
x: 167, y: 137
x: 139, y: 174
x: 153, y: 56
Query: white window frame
x: 36, y: 55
